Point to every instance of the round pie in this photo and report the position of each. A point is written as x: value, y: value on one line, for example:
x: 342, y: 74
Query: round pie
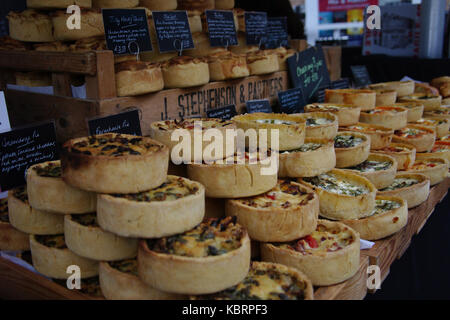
x: 196, y: 4
x: 403, y: 88
x: 441, y: 149
x: 11, y: 239
x: 173, y: 207
x: 352, y: 148
x: 224, y: 66
x: 213, y: 256
x: 436, y: 169
x: 386, y: 97
x: 429, y: 101
x: 380, y: 137
x: 415, y: 110
x: 390, y: 117
x: 185, y: 72
x: 320, y: 125
x: 327, y: 256
x: 138, y: 77
x: 411, y: 187
x: 442, y: 112
x: 30, y: 26
x: 437, y: 82
x: 365, y: 99
x: 287, y: 212
x: 242, y: 47
x: 114, y: 163
x: 389, y: 216
x: 48, y: 192
x: 420, y: 137
x: 404, y: 154
x: 315, y: 157
x: 347, y: 114
x: 262, y: 62
x: 439, y: 125
x: 343, y: 194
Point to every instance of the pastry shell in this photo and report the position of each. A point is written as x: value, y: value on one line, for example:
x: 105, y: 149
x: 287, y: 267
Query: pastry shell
x: 347, y: 114
x: 414, y: 195
x: 403, y: 88
x: 422, y: 143
x: 352, y: 156
x: 430, y: 103
x: 365, y: 99
x: 12, y: 239
x: 442, y: 113
x: 415, y: 110
x: 323, y: 131
x: 436, y: 174
x: 404, y: 158
x: 442, y: 154
x: 441, y: 129
x: 386, y: 97
x: 380, y: 138
x: 390, y: 117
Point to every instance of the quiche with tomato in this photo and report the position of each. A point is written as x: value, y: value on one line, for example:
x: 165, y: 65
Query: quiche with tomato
x: 363, y: 98
x: 414, y: 109
x: 114, y: 163
x: 429, y: 101
x: 11, y: 239
x: 411, y: 187
x: 327, y: 256
x: 441, y: 149
x: 390, y: 117
x: 288, y: 211
x: 211, y: 257
x: 420, y: 137
x: 347, y: 114
x: 173, y: 207
x: 439, y: 125
x: 352, y: 148
x: 320, y: 125
x: 436, y: 169
x: 380, y: 137
x: 404, y: 154
x: 402, y: 88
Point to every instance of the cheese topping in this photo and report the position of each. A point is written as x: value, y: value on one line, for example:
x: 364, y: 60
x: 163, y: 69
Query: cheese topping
x: 4, y: 217
x: 49, y: 169
x: 333, y: 184
x: 189, y: 124
x: 52, y: 241
x: 409, y: 132
x: 372, y: 166
x: 425, y: 164
x: 362, y: 129
x: 275, y: 121
x: 347, y: 141
x: 125, y: 266
x: 311, y: 146
x: 314, y: 122
x: 430, y: 122
x: 87, y: 220
x: 382, y: 206
x: 400, y: 183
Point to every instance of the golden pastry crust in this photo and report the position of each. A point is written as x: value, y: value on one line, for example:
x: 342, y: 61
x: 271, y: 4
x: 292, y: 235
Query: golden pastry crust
x: 320, y: 125
x: 404, y: 154
x: 138, y: 77
x: 91, y: 25
x: 439, y: 125
x: 352, y: 148
x: 195, y: 21
x: 30, y: 26
x: 283, y: 54
x: 185, y: 72
x: 365, y: 99
x: 262, y: 62
x: 414, y: 194
x: 390, y: 117
x: 436, y: 169
x: 11, y: 239
x: 420, y: 137
x: 106, y: 4
x: 390, y: 216
x: 415, y: 110
x: 224, y: 4
x: 126, y: 164
x: 159, y: 5
x: 323, y: 268
x: 403, y: 88
x: 223, y: 66
x: 380, y: 137
x: 347, y: 114
x: 429, y: 101
x: 441, y: 149
x: 174, y: 207
x: 385, y: 97
x: 343, y: 194
x: 425, y: 88
x: 57, y: 4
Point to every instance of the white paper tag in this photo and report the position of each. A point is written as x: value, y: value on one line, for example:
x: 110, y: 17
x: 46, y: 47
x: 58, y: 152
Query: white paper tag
x: 364, y: 244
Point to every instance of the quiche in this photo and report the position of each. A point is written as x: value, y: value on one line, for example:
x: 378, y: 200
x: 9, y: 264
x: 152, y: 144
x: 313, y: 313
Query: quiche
x: 402, y: 88
x: 11, y: 239
x: 380, y: 137
x: 385, y: 97
x: 436, y: 169
x: 119, y: 281
x: 48, y: 192
x: 211, y: 257
x: 414, y: 109
x: 411, y: 187
x: 242, y: 175
x: 442, y: 112
x: 389, y: 216
x: 429, y: 101
x: 51, y: 257
x: 441, y: 149
x: 114, y: 163
x: 420, y: 137
x: 404, y: 154
x: 288, y: 211
x: 315, y: 157
x: 173, y: 207
x: 85, y: 238
x: 352, y: 148
x: 439, y: 125
x: 162, y: 131
x: 390, y: 117
x: 342, y: 194
x: 363, y: 98
x: 291, y: 128
x: 347, y: 114
x: 379, y: 169
x: 320, y: 125
x: 29, y: 220
x: 267, y: 281
x: 327, y: 256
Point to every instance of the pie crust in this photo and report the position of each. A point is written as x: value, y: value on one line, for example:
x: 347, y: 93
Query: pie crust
x: 405, y: 155
x: 436, y: 174
x: 347, y: 114
x: 439, y: 125
x: 134, y: 78
x: 415, y: 110
x: 414, y: 194
x: 434, y: 153
x: 385, y: 97
x: 403, y: 88
x: 365, y: 99
x: 380, y: 137
x: 224, y: 4
x: 30, y: 26
x: 262, y: 62
x: 202, y: 46
x: 317, y: 130
x: 152, y: 219
x: 422, y: 143
x: 437, y: 82
x: 11, y: 239
x: 125, y: 173
x: 185, y: 72
x: 323, y: 268
x: 341, y: 206
x: 352, y: 156
x: 196, y: 4
x: 227, y: 66
x: 91, y: 25
x: 390, y: 117
x: 277, y: 223
x: 429, y: 101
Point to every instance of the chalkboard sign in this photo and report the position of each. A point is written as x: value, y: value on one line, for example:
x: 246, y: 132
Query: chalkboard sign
x: 256, y: 27
x: 254, y: 106
x: 320, y: 94
x: 221, y: 28
x: 173, y: 30
x: 125, y: 122
x: 277, y: 32
x: 224, y: 113
x: 126, y: 31
x: 23, y: 147
x: 360, y: 76
x: 343, y: 83
x: 308, y: 71
x: 291, y: 101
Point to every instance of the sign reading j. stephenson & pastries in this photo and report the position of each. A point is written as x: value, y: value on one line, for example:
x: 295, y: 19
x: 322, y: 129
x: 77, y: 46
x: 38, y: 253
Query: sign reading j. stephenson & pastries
x: 21, y: 148
x: 126, y: 122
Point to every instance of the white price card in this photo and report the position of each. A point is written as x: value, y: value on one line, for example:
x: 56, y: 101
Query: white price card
x: 4, y: 125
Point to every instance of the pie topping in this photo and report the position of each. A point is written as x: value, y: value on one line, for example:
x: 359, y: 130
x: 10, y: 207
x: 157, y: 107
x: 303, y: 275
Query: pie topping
x: 382, y: 206
x: 21, y: 194
x: 425, y: 164
x: 372, y: 166
x: 314, y: 122
x: 347, y: 141
x: 400, y: 183
x: 430, y: 122
x: 87, y: 220
x: 4, y: 217
x: 52, y: 241
x: 333, y: 184
x: 125, y: 266
x: 409, y: 132
x: 189, y: 124
x: 310, y: 146
x: 50, y: 169
x: 275, y: 121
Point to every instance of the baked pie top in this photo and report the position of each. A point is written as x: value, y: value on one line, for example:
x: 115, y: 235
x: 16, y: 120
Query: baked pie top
x: 334, y: 184
x: 410, y: 133
x: 372, y: 166
x: 52, y: 241
x: 309, y: 146
x: 189, y: 124
x: 400, y: 183
x: 51, y: 169
x: 347, y: 141
x: 125, y: 266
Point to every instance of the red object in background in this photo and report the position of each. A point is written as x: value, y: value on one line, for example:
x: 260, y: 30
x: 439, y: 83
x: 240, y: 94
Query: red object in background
x: 342, y: 5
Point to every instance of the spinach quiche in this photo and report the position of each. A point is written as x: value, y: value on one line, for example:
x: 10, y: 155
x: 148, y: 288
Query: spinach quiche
x: 292, y: 128
x: 347, y: 114
x: 404, y: 154
x: 114, y: 163
x: 439, y: 125
x: 119, y: 281
x: 11, y: 239
x: 267, y: 281
x: 162, y: 131
x: 288, y: 211
x: 420, y: 137
x: 436, y: 169
x: 327, y: 256
x: 385, y: 97
x: 211, y: 257
x: 48, y: 192
x: 380, y: 137
x: 390, y: 117
x: 29, y: 220
x: 320, y: 125
x: 85, y: 237
x: 51, y: 257
x: 414, y: 109
x: 389, y: 216
x: 342, y: 194
x: 315, y: 157
x: 380, y: 169
x: 402, y: 88
x: 442, y: 112
x: 441, y: 149
x: 173, y: 207
x: 363, y: 98
x: 430, y: 101
x: 352, y: 148
x: 414, y: 188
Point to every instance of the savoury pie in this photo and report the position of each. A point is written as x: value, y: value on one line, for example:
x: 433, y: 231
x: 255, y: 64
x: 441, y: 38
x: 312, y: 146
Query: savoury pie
x: 414, y: 110
x: 404, y: 154
x: 114, y: 4
x: 390, y: 117
x: 347, y: 114
x: 159, y: 5
x: 57, y: 4
x: 138, y: 77
x: 227, y: 65
x: 386, y: 97
x: 403, y: 88
x: 11, y: 239
x: 185, y: 72
x: 441, y: 149
x: 420, y: 137
x: 320, y: 125
x: 262, y: 62
x: 91, y: 25
x: 30, y: 26
x: 365, y: 99
x: 411, y: 187
x: 352, y: 148
x: 436, y: 169
x: 439, y: 125
x: 429, y: 101
x: 380, y: 137
x: 442, y: 112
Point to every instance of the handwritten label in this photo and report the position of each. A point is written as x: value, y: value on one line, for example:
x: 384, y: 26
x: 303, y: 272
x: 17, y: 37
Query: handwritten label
x: 308, y: 71
x: 221, y: 28
x: 360, y: 76
x: 256, y: 27
x: 224, y: 113
x: 291, y: 101
x: 258, y: 106
x: 22, y: 148
x: 125, y: 122
x: 173, y: 30
x: 277, y: 32
x: 126, y: 31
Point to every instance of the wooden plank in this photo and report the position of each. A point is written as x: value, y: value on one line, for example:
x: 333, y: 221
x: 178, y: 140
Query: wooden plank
x: 102, y: 85
x: 78, y: 63
x: 61, y: 84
